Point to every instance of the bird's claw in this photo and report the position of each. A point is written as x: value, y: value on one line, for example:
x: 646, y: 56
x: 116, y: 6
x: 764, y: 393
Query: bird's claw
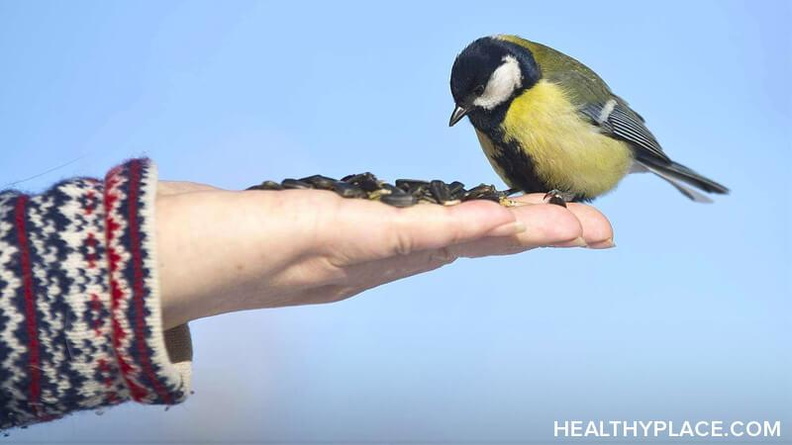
x: 558, y: 197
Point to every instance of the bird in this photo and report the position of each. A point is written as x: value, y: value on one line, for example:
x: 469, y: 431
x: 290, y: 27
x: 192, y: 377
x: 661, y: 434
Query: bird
x: 548, y: 123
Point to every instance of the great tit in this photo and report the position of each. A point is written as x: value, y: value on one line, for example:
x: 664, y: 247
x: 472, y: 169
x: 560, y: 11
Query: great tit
x: 548, y: 123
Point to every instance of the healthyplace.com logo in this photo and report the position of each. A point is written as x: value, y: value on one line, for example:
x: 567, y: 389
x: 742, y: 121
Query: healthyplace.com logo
x: 666, y: 428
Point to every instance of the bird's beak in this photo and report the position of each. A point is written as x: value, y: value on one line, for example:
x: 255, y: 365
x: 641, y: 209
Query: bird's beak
x: 457, y: 115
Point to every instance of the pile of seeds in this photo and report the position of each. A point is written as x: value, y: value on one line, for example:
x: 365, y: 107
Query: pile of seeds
x: 404, y: 193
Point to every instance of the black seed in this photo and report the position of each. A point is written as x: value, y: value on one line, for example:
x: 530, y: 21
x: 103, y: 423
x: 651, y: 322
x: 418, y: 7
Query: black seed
x: 404, y: 193
x: 440, y: 191
x: 478, y: 192
x: 377, y: 194
x: 410, y: 185
x: 421, y: 190
x: 348, y: 190
x: 369, y: 186
x: 366, y: 176
x: 496, y: 197
x: 267, y: 185
x: 366, y: 181
x: 399, y: 200
x: 456, y: 189
x: 295, y: 184
x: 320, y: 182
x: 428, y: 197
x: 394, y: 190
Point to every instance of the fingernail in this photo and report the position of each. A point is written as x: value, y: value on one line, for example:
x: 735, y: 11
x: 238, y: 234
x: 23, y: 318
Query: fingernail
x: 607, y: 244
x: 508, y: 229
x: 577, y: 242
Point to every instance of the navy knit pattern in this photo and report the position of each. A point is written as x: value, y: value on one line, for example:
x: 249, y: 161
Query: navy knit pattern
x: 80, y: 322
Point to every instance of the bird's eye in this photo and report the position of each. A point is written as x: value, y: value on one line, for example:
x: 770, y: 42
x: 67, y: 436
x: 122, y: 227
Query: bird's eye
x: 479, y: 90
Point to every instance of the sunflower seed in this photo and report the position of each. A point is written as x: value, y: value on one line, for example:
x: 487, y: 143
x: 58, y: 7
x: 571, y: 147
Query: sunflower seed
x: 398, y: 200
x: 295, y: 184
x: 347, y: 190
x: 267, y: 185
x: 366, y: 181
x: 320, y: 182
x: 456, y: 189
x: 478, y: 192
x: 411, y: 185
x: 439, y: 190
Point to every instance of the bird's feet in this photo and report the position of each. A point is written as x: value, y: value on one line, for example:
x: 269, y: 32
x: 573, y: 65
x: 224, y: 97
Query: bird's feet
x: 558, y: 197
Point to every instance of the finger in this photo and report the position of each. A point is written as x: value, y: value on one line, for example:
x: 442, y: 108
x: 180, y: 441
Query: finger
x: 597, y: 230
x: 381, y: 231
x: 531, y: 198
x: 546, y: 225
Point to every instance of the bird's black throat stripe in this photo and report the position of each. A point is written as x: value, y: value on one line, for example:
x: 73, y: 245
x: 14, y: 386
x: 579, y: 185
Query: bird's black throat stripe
x: 520, y: 169
x: 517, y: 165
x: 515, y: 162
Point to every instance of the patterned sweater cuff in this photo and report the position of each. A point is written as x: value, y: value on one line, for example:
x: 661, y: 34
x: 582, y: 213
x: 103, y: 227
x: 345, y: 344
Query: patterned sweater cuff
x: 80, y: 320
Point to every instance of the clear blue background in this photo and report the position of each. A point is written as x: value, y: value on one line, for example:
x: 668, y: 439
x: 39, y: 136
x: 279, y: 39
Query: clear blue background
x: 688, y: 318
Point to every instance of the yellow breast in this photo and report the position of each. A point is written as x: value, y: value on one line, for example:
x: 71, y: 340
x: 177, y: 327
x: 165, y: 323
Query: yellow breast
x: 568, y: 152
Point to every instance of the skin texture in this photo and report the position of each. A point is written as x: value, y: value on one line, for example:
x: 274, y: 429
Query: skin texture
x: 224, y: 251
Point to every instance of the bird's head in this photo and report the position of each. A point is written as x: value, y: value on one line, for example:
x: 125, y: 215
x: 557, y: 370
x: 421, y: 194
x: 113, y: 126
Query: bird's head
x: 488, y: 74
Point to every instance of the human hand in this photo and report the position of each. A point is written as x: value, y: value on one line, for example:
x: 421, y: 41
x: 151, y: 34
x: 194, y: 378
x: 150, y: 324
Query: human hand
x: 223, y: 251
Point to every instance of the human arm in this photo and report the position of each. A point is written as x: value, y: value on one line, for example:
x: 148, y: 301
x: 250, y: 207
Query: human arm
x: 224, y: 251
x: 98, y: 278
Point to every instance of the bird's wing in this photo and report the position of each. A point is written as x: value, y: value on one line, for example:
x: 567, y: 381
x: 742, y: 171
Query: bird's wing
x: 597, y: 103
x: 675, y: 181
x: 616, y: 119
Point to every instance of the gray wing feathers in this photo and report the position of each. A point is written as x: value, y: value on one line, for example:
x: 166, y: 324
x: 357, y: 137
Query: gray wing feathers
x: 618, y: 120
x: 629, y: 126
x: 687, y: 191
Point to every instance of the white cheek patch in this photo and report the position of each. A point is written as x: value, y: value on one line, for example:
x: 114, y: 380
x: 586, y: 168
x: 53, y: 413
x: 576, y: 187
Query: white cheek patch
x: 501, y: 84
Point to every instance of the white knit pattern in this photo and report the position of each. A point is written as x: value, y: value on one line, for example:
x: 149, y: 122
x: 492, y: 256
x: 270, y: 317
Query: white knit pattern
x: 9, y: 287
x: 80, y: 321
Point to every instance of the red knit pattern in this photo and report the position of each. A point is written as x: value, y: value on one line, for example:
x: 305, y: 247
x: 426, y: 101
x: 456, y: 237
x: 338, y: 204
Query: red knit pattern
x: 34, y: 360
x: 138, y: 285
x: 116, y: 294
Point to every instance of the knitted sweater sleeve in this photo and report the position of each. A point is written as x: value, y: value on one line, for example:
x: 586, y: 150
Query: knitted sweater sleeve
x: 80, y: 321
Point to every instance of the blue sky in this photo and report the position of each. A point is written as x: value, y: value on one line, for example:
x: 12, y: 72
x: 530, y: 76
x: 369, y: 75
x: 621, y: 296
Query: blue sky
x: 687, y: 319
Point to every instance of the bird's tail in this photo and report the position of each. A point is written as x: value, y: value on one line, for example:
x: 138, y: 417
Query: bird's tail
x: 678, y: 175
